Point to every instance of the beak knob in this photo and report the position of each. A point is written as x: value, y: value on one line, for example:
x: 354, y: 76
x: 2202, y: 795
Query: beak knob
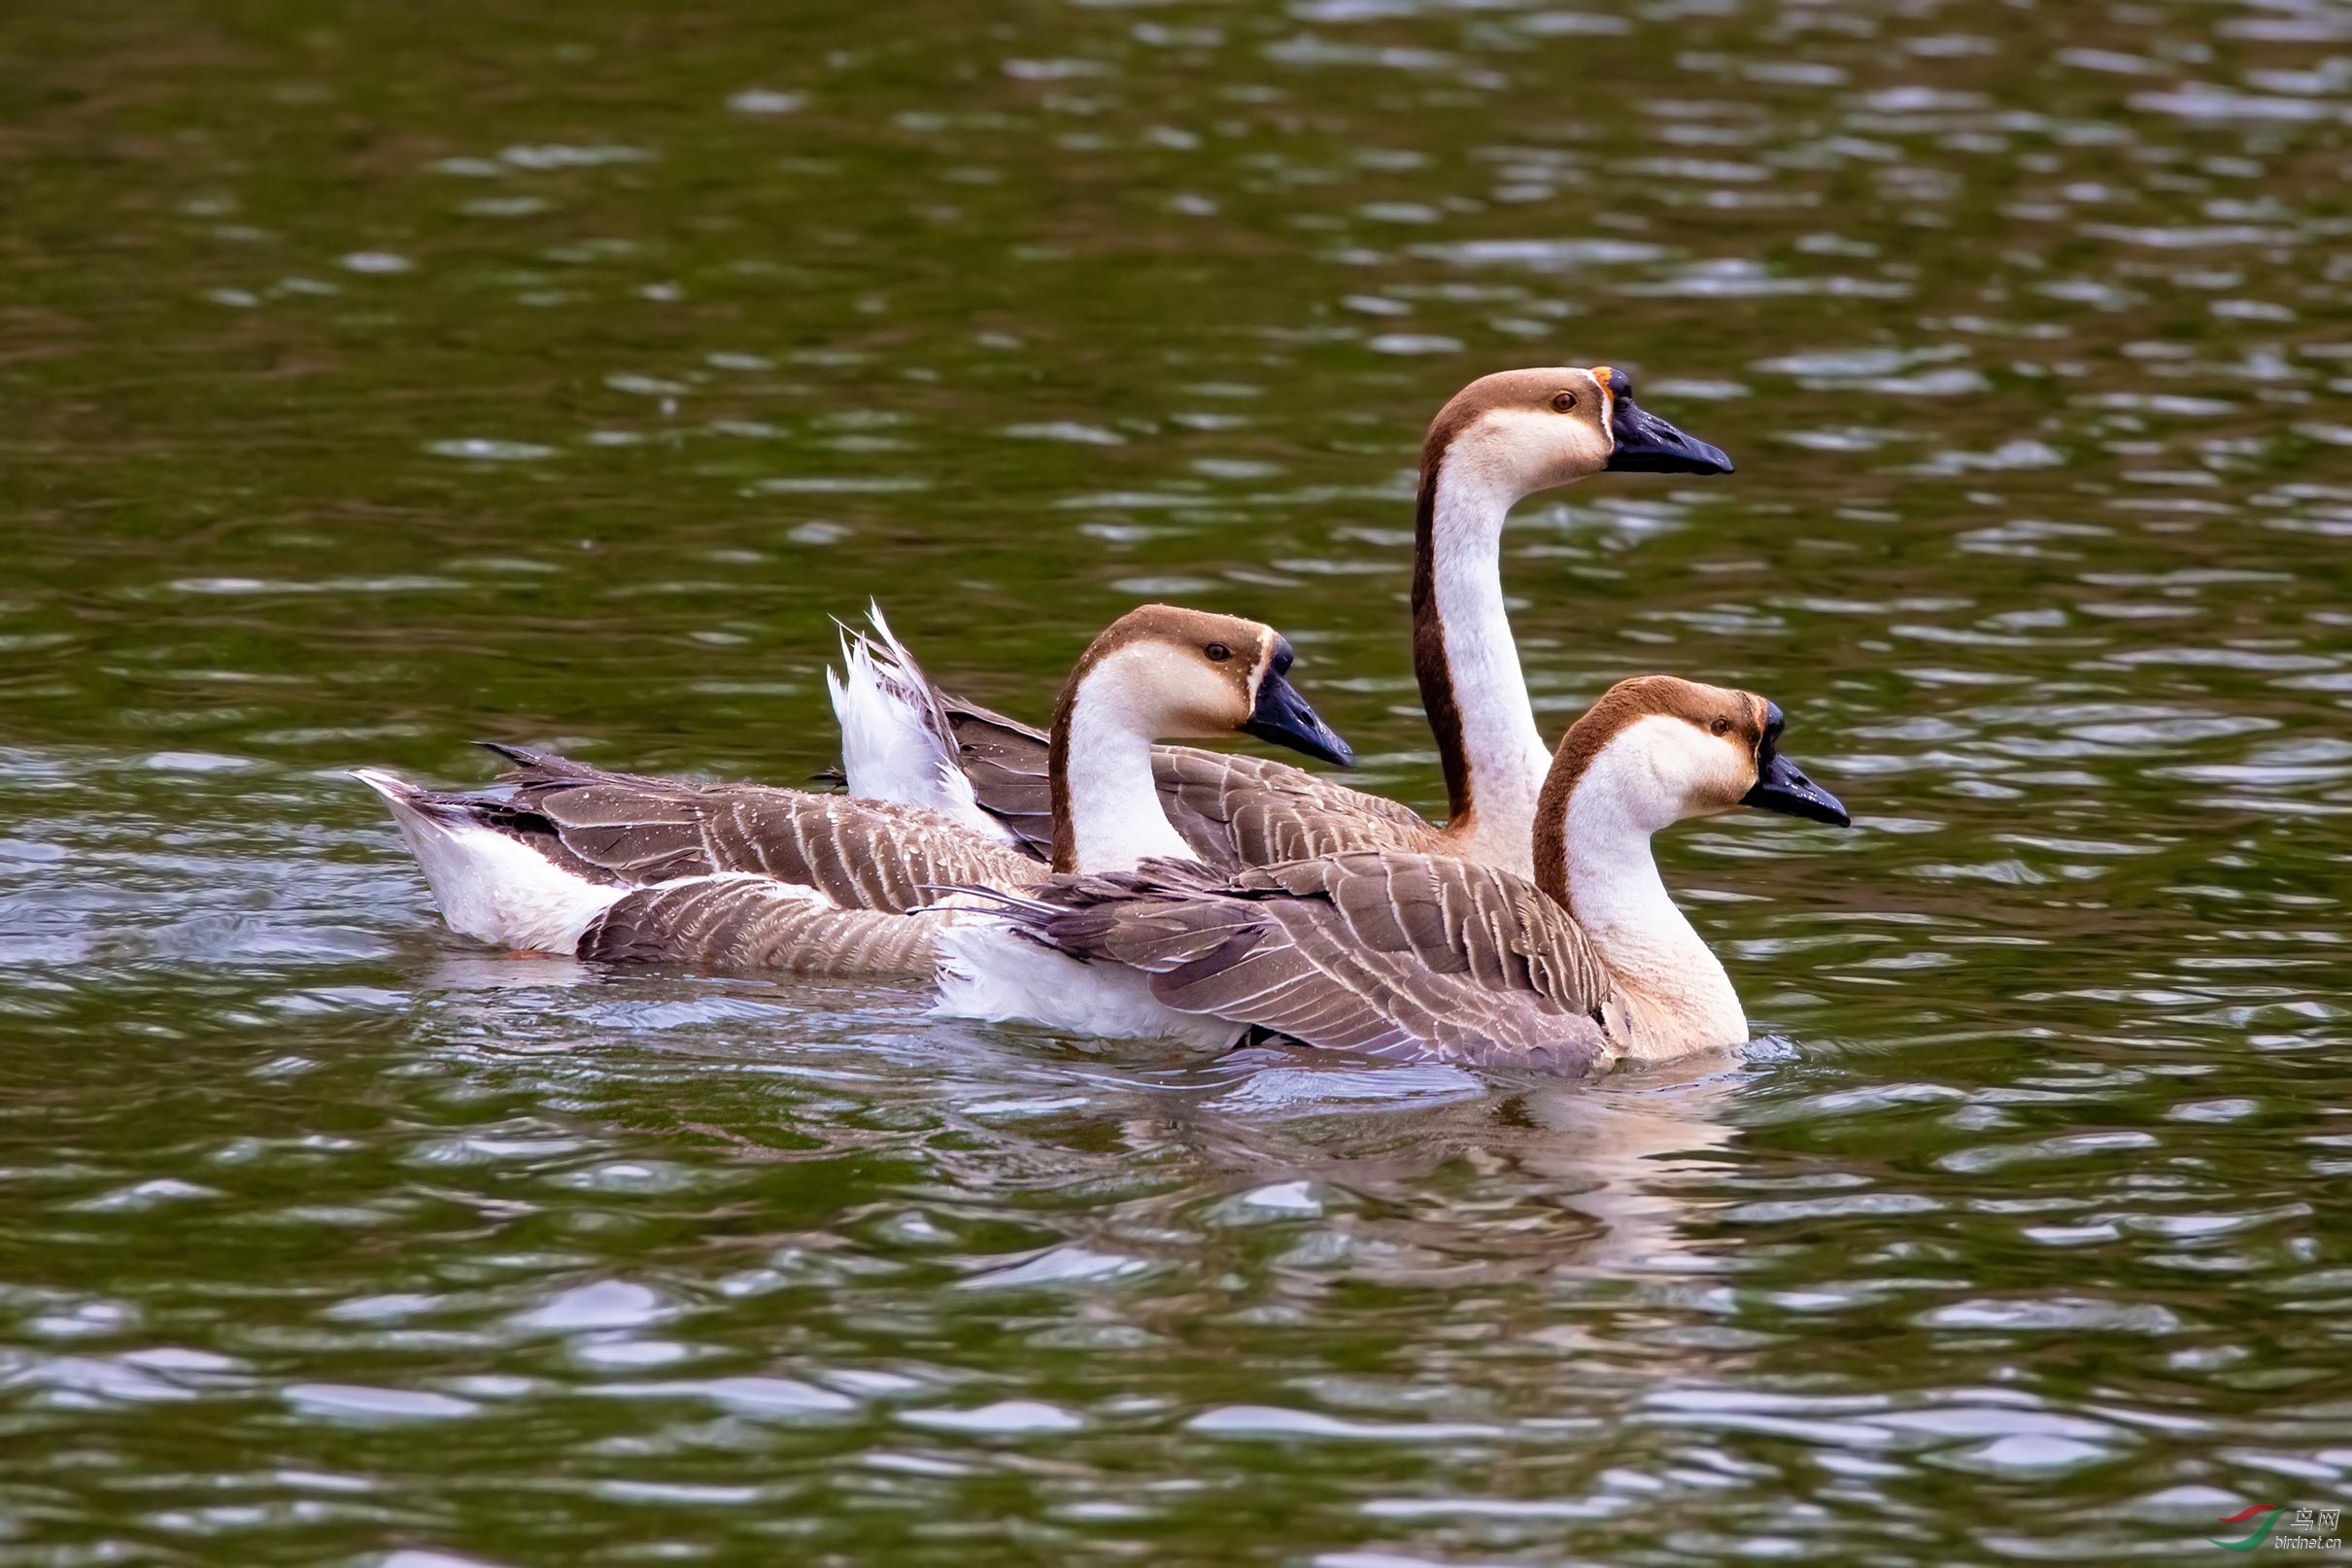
x: 1646, y: 444
x: 1283, y: 717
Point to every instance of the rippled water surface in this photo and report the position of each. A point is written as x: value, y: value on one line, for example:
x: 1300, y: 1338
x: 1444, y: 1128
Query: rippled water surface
x: 375, y: 378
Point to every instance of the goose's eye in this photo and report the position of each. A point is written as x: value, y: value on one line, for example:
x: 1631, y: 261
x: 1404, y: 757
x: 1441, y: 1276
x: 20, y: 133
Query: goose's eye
x: 1721, y: 726
x: 1562, y: 403
x: 1217, y: 653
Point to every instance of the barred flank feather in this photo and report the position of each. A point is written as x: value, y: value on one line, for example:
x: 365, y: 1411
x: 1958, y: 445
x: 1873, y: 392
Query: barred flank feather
x: 748, y: 923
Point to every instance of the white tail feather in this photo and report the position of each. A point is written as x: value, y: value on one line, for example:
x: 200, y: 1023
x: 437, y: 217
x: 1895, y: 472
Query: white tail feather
x: 896, y: 744
x: 988, y: 973
x: 491, y: 887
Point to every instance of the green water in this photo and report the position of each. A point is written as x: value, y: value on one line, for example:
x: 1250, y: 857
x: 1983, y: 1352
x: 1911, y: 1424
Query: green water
x: 375, y: 378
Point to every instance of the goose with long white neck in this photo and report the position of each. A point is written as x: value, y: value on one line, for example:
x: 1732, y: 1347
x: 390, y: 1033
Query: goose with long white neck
x: 570, y: 859
x: 1424, y: 955
x: 1498, y: 440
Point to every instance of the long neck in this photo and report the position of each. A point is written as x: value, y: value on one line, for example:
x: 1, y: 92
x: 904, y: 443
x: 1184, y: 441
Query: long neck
x: 1469, y: 666
x: 1107, y: 810
x: 1600, y: 865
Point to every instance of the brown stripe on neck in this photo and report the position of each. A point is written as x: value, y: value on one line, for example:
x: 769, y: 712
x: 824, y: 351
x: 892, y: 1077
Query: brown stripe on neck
x: 1624, y: 703
x: 1430, y: 666
x: 1139, y: 625
x: 1057, y: 769
x: 1248, y: 645
x: 1619, y: 706
x: 1551, y: 819
x: 1057, y: 745
x: 1127, y: 628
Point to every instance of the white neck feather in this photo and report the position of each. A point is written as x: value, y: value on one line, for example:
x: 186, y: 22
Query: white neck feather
x: 1672, y: 984
x: 1505, y: 752
x: 1115, y: 817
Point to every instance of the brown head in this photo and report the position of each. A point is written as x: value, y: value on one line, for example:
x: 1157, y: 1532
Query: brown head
x: 1170, y: 673
x: 1540, y: 427
x: 1660, y: 750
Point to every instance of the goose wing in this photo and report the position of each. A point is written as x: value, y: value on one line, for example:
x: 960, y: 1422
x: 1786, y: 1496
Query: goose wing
x: 1241, y: 811
x: 632, y: 830
x: 1233, y: 809
x: 1379, y: 951
x: 1005, y: 760
x: 746, y: 924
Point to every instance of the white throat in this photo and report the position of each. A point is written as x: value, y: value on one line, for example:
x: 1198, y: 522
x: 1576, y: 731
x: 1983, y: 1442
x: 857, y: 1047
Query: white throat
x: 1115, y: 817
x: 1505, y: 752
x: 1673, y: 983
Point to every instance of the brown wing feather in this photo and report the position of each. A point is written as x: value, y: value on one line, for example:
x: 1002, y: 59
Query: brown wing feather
x: 1005, y: 760
x: 1374, y: 950
x: 1242, y: 810
x: 632, y: 830
x: 1233, y: 809
x: 749, y: 924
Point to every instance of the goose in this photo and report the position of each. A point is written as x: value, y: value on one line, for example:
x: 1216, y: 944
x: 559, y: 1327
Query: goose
x: 1433, y: 956
x: 565, y: 858
x: 1501, y: 438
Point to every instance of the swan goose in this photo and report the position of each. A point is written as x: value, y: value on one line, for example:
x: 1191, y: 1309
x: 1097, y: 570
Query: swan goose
x: 1501, y: 438
x: 570, y: 859
x: 1389, y: 951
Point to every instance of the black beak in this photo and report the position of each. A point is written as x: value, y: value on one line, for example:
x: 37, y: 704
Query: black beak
x: 1648, y: 445
x: 1782, y: 785
x: 1283, y: 717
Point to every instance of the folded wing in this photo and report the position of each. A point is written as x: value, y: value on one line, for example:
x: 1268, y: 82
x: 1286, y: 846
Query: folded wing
x: 1376, y: 951
x: 631, y: 829
x: 749, y: 924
